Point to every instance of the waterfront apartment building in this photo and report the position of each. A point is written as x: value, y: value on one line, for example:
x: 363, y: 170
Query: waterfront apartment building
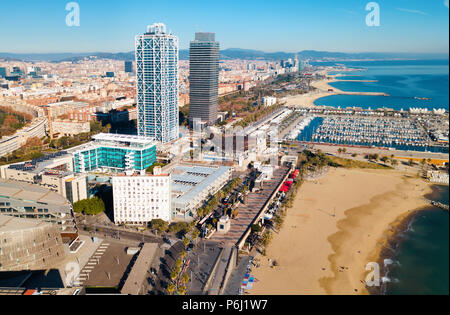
x: 157, y: 58
x: 204, y: 78
x: 114, y: 152
x: 140, y: 199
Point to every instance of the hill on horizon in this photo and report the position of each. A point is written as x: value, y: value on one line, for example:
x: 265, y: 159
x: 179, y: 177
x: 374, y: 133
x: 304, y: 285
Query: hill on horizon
x: 226, y: 54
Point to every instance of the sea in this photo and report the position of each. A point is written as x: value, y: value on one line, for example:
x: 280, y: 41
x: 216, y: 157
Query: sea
x: 417, y: 260
x: 407, y: 82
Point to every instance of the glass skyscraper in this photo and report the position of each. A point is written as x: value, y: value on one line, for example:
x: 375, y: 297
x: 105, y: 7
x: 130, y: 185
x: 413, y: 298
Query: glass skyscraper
x: 204, y: 78
x: 157, y: 84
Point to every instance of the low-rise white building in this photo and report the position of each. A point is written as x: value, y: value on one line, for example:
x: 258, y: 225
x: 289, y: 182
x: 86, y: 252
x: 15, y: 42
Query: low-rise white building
x: 269, y: 101
x: 140, y: 199
x: 193, y: 185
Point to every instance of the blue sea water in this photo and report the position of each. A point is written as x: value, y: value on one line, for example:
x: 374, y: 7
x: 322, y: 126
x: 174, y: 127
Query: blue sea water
x: 404, y: 81
x: 421, y: 258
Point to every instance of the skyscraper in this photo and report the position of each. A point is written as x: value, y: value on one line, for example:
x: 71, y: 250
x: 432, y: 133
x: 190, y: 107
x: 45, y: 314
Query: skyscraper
x: 204, y: 78
x: 157, y: 84
x: 128, y: 66
x: 2, y: 72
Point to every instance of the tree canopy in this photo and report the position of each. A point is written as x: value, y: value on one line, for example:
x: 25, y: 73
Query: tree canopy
x: 92, y: 206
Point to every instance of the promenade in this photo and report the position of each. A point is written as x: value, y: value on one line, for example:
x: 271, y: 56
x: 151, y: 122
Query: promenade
x: 256, y: 202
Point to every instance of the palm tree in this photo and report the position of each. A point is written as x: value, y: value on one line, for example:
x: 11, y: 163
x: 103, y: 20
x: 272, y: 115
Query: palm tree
x: 185, y: 278
x: 173, y: 275
x: 171, y: 288
x: 195, y: 234
x: 182, y: 290
x: 183, y: 254
x: 186, y: 241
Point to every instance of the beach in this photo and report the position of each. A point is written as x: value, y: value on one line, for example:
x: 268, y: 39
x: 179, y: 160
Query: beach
x: 337, y: 226
x: 324, y: 89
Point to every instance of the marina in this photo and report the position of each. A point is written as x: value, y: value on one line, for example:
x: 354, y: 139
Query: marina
x: 371, y: 131
x: 390, y: 130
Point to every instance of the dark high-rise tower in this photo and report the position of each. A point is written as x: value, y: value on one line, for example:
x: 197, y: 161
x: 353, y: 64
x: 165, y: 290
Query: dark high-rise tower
x: 204, y: 78
x: 128, y: 66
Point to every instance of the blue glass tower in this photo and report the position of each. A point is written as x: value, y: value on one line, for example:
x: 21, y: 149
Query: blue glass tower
x: 157, y: 58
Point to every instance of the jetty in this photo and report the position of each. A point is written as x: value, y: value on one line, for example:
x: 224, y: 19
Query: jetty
x: 440, y: 205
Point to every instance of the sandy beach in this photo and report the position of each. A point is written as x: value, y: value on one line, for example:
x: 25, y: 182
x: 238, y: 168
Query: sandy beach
x: 337, y: 226
x: 324, y: 89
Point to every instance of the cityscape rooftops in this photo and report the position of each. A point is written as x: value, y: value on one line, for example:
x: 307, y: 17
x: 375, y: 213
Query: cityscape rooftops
x: 72, y: 104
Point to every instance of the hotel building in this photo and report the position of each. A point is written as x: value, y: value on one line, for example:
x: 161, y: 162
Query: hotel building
x: 157, y: 58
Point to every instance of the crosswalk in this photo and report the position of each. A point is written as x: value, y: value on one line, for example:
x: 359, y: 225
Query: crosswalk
x: 91, y: 264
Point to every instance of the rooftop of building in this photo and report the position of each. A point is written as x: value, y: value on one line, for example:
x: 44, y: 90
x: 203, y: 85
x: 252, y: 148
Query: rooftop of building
x: 30, y: 193
x: 123, y: 138
x: 190, y: 181
x: 205, y: 37
x: 117, y: 141
x: 69, y: 103
x: 38, y: 165
x: 11, y: 224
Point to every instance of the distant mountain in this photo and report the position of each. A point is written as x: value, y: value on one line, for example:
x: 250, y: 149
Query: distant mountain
x: 227, y: 54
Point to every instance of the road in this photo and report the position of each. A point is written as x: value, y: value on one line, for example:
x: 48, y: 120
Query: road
x: 116, y: 234
x: 203, y: 258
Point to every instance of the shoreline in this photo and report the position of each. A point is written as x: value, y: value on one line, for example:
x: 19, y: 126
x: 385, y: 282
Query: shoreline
x: 334, y: 260
x: 324, y: 89
x: 400, y: 226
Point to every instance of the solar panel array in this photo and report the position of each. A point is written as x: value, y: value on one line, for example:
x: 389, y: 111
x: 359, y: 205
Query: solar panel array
x: 30, y: 166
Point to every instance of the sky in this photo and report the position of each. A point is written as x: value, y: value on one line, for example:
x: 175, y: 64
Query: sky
x: 412, y: 26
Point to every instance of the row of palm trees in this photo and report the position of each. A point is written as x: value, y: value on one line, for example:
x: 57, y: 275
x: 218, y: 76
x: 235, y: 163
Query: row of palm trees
x: 177, y: 276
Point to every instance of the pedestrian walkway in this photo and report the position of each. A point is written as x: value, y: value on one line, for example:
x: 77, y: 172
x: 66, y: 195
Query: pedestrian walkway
x: 93, y: 261
x: 249, y: 211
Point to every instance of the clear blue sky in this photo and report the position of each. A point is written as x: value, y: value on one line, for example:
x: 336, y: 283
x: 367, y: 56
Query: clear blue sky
x: 417, y: 26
